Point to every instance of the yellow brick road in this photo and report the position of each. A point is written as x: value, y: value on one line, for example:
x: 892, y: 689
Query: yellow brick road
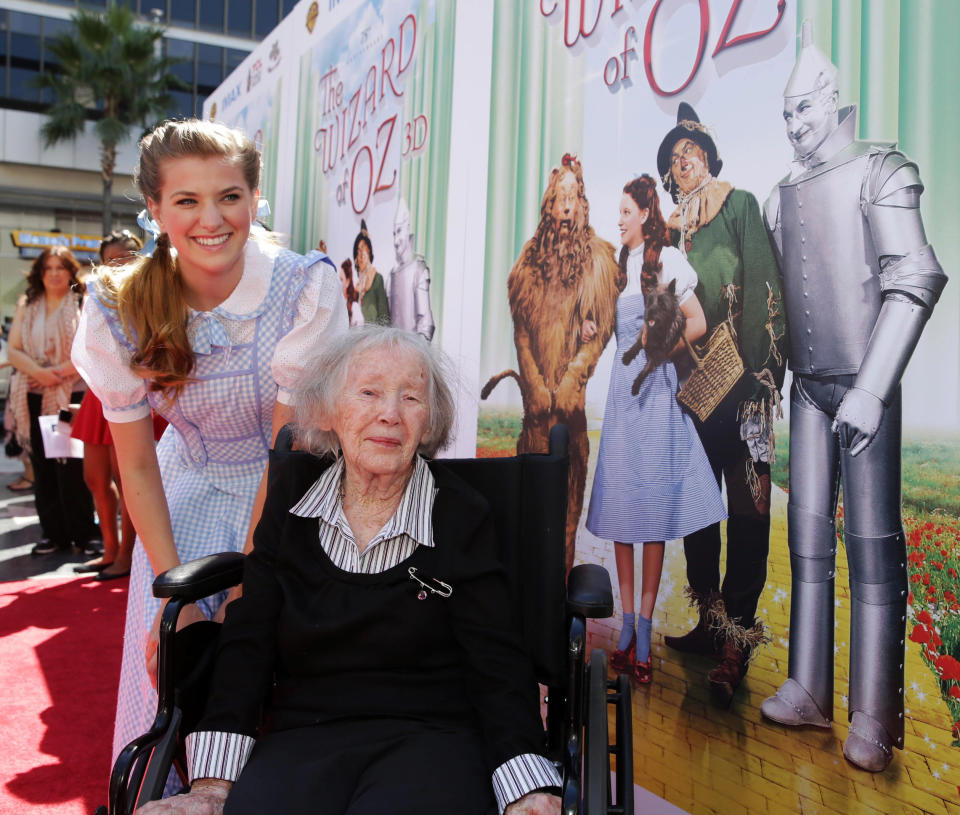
x: 733, y: 762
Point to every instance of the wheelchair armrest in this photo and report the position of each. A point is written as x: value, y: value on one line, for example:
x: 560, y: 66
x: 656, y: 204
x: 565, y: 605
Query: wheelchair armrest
x: 200, y: 578
x: 589, y: 592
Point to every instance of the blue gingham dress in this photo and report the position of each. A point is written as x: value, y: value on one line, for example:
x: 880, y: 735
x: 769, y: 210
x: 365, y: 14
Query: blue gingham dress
x: 653, y: 481
x: 211, y: 457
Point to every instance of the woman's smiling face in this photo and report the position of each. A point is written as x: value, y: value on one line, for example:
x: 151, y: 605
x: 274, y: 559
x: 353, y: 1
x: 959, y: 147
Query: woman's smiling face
x: 631, y: 222
x: 56, y: 276
x: 809, y: 120
x: 363, y: 256
x: 382, y: 413
x: 206, y: 208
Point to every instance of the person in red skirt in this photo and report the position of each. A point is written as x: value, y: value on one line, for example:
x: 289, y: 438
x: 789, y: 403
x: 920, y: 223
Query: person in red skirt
x: 100, y: 470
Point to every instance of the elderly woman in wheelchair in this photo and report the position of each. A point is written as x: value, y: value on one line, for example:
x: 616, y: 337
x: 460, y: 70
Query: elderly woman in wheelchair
x: 371, y: 664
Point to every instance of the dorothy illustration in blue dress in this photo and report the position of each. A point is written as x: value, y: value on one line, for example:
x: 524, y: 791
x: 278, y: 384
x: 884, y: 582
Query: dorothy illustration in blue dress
x: 653, y: 481
x: 211, y: 333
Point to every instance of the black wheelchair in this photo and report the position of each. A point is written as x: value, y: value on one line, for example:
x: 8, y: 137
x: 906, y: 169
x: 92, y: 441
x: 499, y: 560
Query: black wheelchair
x: 528, y: 494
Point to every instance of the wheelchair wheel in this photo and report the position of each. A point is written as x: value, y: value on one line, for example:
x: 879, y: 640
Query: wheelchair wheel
x: 596, y: 753
x: 620, y: 697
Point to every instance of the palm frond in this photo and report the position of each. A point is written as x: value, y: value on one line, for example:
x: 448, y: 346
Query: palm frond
x: 108, y: 69
x: 64, y: 122
x: 112, y: 129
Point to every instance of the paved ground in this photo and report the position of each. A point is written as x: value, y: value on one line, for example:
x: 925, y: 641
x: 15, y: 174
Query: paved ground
x: 733, y: 762
x: 19, y: 530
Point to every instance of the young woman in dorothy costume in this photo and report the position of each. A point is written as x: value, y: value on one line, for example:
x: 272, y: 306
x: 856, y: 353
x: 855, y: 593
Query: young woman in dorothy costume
x: 653, y: 482
x: 210, y: 332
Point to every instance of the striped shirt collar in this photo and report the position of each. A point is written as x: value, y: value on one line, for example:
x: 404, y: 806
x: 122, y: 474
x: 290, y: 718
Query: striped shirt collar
x: 414, y: 515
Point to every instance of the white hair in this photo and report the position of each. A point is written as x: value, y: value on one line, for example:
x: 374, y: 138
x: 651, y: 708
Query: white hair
x: 324, y: 378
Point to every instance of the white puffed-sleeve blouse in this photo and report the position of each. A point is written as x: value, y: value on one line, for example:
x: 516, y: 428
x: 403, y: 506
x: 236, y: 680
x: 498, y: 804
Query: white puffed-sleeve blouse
x: 104, y: 361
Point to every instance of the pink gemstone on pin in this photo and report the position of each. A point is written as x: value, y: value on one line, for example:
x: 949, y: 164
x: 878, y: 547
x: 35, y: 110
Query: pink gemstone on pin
x: 422, y: 594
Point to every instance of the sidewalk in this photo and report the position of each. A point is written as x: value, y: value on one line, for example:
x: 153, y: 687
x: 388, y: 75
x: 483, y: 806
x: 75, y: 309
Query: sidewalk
x: 705, y: 760
x: 20, y: 530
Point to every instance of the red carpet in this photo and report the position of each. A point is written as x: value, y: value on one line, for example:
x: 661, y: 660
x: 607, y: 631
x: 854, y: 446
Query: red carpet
x: 60, y: 644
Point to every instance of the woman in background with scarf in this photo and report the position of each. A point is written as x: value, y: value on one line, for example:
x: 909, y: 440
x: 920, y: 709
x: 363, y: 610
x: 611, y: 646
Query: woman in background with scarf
x: 40, y: 340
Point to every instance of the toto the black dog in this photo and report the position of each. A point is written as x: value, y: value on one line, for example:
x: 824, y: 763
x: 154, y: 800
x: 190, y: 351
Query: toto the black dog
x: 663, y: 325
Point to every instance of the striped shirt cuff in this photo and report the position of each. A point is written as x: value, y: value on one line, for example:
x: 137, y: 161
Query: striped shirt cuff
x: 214, y: 754
x: 521, y: 775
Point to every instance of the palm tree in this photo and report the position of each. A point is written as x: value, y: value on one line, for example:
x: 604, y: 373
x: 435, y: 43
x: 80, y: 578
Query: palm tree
x: 109, y: 69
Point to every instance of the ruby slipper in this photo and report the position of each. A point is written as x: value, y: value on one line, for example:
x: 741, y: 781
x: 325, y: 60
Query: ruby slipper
x: 623, y: 661
x: 643, y: 672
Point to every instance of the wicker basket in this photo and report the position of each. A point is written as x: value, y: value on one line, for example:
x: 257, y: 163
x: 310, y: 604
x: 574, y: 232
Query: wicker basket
x: 717, y: 368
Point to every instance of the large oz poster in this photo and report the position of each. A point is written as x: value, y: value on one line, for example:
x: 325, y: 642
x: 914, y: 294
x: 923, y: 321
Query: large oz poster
x: 373, y: 123
x: 514, y: 180
x: 605, y: 101
x: 253, y: 100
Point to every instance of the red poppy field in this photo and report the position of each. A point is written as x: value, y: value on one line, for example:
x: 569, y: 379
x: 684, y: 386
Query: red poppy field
x: 931, y: 521
x: 933, y: 555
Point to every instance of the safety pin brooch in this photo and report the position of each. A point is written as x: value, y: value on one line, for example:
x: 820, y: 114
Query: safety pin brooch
x: 430, y: 584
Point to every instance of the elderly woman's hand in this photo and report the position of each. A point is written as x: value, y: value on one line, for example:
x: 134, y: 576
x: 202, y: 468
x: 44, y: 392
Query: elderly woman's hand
x: 535, y: 803
x: 206, y: 797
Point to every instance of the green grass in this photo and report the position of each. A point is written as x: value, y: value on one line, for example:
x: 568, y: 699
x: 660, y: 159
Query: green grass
x: 497, y: 432
x: 780, y: 469
x: 931, y: 476
x: 931, y: 466
x: 931, y: 473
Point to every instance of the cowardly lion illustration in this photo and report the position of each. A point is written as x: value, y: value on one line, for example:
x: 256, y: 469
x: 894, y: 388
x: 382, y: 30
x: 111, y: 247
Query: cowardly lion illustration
x: 565, y: 276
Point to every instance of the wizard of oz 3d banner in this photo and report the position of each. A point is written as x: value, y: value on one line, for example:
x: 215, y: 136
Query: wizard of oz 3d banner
x: 715, y: 243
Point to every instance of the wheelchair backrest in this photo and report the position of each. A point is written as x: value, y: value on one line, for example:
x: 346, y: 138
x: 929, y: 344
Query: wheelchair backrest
x: 528, y: 494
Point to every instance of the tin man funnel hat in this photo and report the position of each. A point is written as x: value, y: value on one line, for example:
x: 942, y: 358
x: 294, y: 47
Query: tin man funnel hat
x: 813, y: 71
x: 402, y: 216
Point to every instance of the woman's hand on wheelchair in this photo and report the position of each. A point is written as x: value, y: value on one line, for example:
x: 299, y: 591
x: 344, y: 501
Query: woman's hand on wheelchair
x: 535, y: 803
x: 206, y: 797
x: 188, y: 614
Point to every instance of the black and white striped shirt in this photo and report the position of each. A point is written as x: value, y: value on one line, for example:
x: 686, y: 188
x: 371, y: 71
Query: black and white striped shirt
x: 410, y: 526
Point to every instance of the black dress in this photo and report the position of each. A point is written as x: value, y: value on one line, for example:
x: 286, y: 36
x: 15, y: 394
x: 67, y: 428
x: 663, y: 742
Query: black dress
x: 379, y: 701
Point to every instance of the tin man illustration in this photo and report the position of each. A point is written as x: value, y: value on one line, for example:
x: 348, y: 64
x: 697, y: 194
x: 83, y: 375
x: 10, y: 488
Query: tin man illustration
x: 409, y: 287
x: 860, y: 281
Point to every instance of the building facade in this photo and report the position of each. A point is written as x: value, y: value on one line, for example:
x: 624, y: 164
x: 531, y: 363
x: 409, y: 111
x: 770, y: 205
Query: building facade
x: 54, y: 195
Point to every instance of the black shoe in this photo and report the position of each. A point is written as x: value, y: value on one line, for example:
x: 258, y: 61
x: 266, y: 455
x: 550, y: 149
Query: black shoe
x: 701, y: 640
x: 86, y: 568
x: 111, y: 575
x: 47, y: 547
x: 90, y: 547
